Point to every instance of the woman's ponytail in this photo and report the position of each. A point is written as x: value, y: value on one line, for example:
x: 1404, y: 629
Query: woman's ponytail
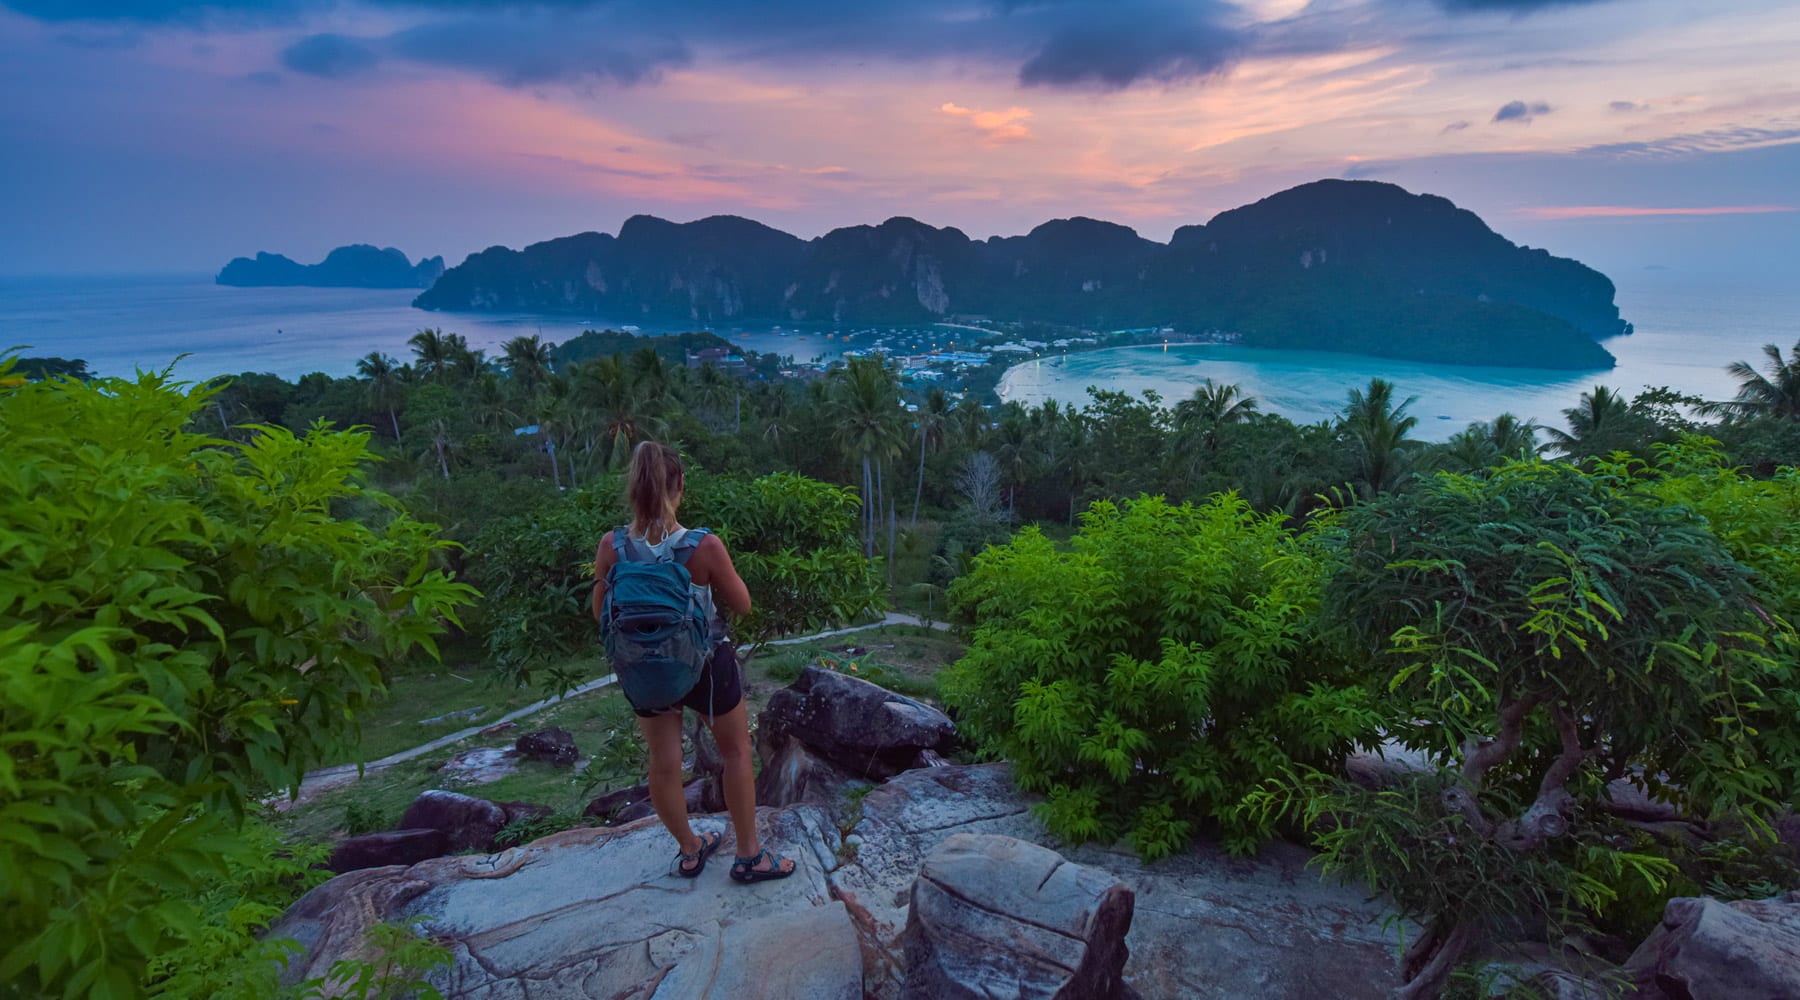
x: 653, y: 486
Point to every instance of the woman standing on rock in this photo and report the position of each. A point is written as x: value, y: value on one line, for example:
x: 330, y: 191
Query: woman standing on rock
x: 653, y: 485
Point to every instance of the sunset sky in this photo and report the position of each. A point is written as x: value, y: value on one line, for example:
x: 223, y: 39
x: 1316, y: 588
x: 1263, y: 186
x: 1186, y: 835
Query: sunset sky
x: 168, y: 135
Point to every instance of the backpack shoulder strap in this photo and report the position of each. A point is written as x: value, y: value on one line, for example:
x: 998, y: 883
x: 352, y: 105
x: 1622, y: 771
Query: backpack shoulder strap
x: 689, y: 544
x: 628, y: 549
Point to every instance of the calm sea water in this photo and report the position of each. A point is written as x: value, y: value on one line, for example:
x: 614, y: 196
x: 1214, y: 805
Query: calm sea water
x: 119, y: 324
x: 1688, y: 330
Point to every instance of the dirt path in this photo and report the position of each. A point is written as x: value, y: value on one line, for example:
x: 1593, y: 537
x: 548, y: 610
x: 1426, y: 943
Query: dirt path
x: 327, y: 778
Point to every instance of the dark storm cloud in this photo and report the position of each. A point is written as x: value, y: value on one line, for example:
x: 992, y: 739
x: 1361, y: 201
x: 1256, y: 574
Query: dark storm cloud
x: 1118, y: 45
x: 162, y: 11
x: 1511, y: 6
x: 332, y: 56
x: 528, y: 51
x: 1519, y: 111
x: 1090, y: 44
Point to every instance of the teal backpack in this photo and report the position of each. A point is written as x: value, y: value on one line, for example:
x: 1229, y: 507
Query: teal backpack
x: 652, y: 623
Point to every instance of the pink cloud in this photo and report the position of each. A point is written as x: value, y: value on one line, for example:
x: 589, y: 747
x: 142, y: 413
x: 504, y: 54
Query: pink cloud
x: 997, y: 126
x: 1636, y: 211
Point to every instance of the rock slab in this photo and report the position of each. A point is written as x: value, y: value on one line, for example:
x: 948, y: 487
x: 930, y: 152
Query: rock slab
x: 1706, y: 949
x: 863, y: 728
x: 995, y: 916
x: 1205, y: 926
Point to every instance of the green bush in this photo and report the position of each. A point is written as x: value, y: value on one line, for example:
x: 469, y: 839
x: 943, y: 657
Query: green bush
x: 792, y: 539
x: 184, y: 626
x: 1544, y: 631
x: 1157, y: 672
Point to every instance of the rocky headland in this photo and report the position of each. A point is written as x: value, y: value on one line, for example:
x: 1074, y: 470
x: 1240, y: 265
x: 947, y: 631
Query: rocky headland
x: 1349, y: 266
x: 356, y: 266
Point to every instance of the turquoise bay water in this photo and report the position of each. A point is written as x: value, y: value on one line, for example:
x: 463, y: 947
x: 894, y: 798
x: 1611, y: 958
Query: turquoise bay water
x: 118, y: 324
x: 1687, y: 332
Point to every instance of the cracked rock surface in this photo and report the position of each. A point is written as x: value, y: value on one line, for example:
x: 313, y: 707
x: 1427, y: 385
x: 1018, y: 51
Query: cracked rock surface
x: 595, y: 913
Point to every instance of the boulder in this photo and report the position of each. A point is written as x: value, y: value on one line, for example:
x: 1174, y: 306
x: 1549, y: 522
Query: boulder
x: 863, y: 728
x: 596, y: 912
x: 995, y: 916
x: 468, y: 823
x: 480, y: 765
x: 1205, y: 925
x: 696, y: 794
x: 389, y: 847
x: 796, y: 774
x: 1706, y: 949
x: 552, y: 746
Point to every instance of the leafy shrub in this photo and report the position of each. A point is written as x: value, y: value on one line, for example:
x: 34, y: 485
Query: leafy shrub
x: 792, y: 539
x: 227, y: 960
x: 1544, y: 631
x: 361, y: 818
x: 184, y: 625
x: 1156, y: 673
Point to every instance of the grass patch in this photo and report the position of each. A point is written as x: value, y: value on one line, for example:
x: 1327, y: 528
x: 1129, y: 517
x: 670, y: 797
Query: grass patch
x: 428, y: 699
x: 600, y: 721
x: 902, y: 658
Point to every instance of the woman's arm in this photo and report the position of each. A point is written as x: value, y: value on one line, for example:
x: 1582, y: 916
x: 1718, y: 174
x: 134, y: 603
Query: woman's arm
x: 711, y: 567
x: 604, y: 557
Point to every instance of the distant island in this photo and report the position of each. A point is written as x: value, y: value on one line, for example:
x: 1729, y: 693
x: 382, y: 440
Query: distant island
x: 1352, y: 266
x: 356, y: 266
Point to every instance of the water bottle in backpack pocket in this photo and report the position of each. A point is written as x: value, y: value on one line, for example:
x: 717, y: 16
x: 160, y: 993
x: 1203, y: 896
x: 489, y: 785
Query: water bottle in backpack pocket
x: 654, y: 623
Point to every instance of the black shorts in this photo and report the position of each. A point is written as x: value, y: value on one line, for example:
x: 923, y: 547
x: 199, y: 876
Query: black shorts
x: 719, y: 689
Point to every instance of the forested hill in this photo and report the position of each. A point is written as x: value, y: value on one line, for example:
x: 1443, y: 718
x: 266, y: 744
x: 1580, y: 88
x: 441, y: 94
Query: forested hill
x: 356, y: 266
x: 1355, y: 266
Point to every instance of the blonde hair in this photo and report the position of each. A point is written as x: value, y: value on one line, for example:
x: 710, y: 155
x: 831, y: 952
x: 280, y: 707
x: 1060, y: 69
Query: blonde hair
x: 653, y: 486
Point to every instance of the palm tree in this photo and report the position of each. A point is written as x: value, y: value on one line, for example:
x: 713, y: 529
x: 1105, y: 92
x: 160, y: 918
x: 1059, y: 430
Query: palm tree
x: 969, y: 422
x: 1775, y: 394
x: 931, y: 418
x: 528, y: 360
x: 1013, y: 449
x: 1595, y: 422
x: 1513, y: 437
x: 712, y: 388
x: 430, y: 348
x: 384, y: 385
x: 867, y: 407
x: 1376, y: 428
x: 465, y: 364
x: 1213, y: 407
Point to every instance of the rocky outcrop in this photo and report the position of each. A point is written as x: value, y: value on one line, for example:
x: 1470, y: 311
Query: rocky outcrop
x: 795, y: 774
x: 865, y: 729
x: 1205, y: 925
x: 467, y: 823
x: 597, y: 913
x: 1706, y: 949
x: 997, y: 917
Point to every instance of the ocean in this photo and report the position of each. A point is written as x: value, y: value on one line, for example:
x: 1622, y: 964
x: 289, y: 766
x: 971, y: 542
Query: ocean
x: 120, y: 324
x: 1688, y: 329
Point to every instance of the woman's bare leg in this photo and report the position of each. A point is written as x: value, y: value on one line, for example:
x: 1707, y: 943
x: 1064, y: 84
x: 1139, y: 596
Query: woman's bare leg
x: 732, y: 732
x: 662, y: 734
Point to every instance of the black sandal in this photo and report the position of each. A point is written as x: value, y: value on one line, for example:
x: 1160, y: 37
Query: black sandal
x: 709, y: 842
x: 745, y: 870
